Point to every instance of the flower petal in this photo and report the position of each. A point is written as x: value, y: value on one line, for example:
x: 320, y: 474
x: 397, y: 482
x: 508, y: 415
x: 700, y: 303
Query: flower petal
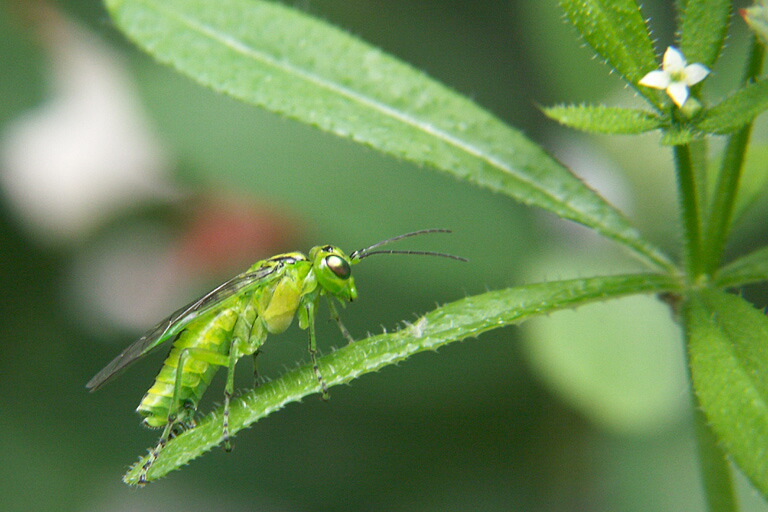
x: 656, y: 79
x: 695, y: 73
x: 678, y: 91
x: 674, y: 62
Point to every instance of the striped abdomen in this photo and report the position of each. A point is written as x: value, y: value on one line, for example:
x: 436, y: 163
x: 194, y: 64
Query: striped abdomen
x: 211, y: 332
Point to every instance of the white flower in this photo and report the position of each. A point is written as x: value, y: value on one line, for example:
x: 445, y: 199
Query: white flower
x: 676, y: 76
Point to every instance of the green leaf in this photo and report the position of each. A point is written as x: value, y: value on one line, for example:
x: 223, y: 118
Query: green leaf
x: 272, y: 56
x: 703, y: 27
x: 616, y: 30
x: 757, y: 19
x: 603, y: 119
x: 678, y: 135
x: 456, y: 321
x: 751, y: 268
x: 737, y: 110
x: 728, y: 345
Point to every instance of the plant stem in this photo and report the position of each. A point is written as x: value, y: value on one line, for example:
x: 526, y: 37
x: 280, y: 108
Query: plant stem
x: 699, y: 154
x: 689, y: 209
x: 721, y: 216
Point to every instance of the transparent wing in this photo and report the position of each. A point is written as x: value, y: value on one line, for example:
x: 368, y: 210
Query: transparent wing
x: 172, y: 325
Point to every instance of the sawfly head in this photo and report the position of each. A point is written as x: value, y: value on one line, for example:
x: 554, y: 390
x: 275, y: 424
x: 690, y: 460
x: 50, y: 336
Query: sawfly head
x: 333, y: 270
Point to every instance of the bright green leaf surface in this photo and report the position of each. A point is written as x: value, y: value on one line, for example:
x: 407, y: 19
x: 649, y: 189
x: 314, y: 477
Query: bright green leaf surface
x: 271, y: 56
x: 455, y: 321
x: 728, y: 344
x: 703, y: 28
x: 616, y: 30
x: 737, y: 110
x: 602, y: 119
x: 748, y: 269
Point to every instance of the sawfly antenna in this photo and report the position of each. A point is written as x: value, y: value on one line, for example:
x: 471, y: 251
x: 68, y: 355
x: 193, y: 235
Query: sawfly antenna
x: 368, y: 251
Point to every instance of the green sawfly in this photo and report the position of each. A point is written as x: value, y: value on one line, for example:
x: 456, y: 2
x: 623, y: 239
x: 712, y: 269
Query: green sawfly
x: 233, y: 321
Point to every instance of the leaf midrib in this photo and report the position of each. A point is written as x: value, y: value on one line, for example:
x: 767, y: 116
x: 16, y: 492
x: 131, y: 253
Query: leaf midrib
x: 352, y: 95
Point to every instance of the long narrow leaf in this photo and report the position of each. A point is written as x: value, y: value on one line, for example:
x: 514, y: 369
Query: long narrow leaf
x: 617, y: 31
x: 465, y: 318
x: 703, y: 27
x: 283, y: 60
x: 603, y: 119
x: 751, y: 268
x: 737, y: 110
x: 728, y: 345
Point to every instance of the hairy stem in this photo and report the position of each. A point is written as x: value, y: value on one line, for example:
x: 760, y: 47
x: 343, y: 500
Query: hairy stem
x: 689, y: 209
x: 719, y: 223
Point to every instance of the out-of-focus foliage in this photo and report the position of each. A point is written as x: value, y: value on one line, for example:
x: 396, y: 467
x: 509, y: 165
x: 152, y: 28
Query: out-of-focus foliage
x: 470, y: 428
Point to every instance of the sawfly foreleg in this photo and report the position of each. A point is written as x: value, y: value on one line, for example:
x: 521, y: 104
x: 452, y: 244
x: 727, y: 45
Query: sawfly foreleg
x: 337, y: 318
x: 310, y: 305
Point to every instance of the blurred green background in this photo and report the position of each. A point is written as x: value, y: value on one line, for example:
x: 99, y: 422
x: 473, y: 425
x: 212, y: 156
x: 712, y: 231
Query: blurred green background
x: 584, y: 411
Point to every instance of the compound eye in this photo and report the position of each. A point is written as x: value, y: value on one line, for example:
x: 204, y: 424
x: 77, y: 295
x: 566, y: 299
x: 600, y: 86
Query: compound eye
x: 338, y: 266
